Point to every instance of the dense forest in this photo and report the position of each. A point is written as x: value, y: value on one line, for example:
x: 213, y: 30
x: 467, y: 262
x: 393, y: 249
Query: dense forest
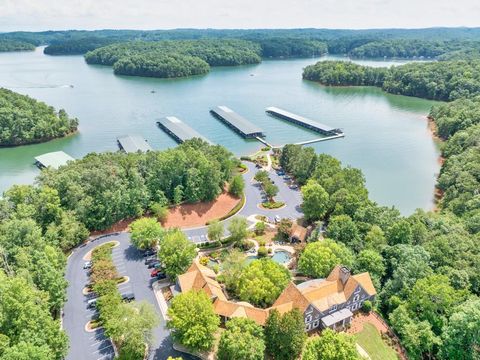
x: 406, y: 48
x: 426, y: 267
x: 13, y: 45
x: 446, y: 80
x: 426, y: 255
x: 76, y: 46
x: 160, y: 65
x: 167, y: 59
x: 433, y: 42
x: 24, y: 120
x: 39, y: 223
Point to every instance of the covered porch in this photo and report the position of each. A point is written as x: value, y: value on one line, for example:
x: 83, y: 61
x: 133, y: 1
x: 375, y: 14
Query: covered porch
x: 338, y: 320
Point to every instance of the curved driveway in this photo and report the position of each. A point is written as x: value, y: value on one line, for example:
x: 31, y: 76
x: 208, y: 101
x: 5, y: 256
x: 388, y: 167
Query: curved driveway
x: 129, y: 262
x: 292, y: 199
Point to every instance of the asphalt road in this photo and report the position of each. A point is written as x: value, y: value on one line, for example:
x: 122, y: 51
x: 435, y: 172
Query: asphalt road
x: 292, y: 199
x: 129, y: 262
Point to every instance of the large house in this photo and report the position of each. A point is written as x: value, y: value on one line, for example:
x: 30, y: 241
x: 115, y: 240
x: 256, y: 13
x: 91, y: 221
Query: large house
x: 324, y: 303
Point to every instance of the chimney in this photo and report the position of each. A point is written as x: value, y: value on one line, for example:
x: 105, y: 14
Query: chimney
x: 344, y: 274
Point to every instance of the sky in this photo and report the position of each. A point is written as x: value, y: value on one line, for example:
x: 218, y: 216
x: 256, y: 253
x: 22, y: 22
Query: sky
x: 35, y: 15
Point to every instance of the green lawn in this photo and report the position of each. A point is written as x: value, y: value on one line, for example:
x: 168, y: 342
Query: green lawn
x: 371, y: 341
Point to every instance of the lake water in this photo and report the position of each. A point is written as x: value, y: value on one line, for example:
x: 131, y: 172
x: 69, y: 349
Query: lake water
x: 386, y: 135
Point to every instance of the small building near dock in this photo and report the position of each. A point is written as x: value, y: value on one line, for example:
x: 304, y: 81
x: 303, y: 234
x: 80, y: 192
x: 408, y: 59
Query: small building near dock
x: 53, y: 159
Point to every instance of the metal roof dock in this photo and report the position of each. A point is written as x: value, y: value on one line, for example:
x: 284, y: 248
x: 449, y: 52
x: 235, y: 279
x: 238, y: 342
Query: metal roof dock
x: 54, y: 159
x: 302, y: 121
x: 133, y: 144
x: 236, y: 122
x: 178, y: 130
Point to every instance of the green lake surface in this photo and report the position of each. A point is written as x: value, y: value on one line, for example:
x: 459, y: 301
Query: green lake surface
x: 386, y: 136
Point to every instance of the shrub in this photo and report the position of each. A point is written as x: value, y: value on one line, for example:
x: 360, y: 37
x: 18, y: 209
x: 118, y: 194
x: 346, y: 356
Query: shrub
x: 273, y: 204
x: 367, y: 306
x: 260, y: 228
x: 262, y: 252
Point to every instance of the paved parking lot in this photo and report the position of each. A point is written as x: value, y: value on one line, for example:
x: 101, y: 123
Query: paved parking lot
x: 94, y: 345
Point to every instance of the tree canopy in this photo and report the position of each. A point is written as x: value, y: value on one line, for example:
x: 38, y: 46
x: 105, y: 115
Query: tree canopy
x: 446, y: 80
x: 24, y: 120
x: 146, y: 233
x: 242, y: 340
x: 176, y: 253
x: 331, y: 345
x: 262, y: 281
x: 192, y: 320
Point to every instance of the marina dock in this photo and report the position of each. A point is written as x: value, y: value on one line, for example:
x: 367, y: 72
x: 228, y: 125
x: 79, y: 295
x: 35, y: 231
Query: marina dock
x: 303, y: 121
x: 237, y: 123
x: 178, y: 130
x: 133, y: 144
x: 53, y: 159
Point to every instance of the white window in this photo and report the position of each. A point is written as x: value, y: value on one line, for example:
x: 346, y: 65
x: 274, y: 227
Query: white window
x: 308, y: 327
x: 315, y: 324
x: 334, y: 307
x: 354, y: 307
x: 357, y: 290
x: 355, y: 298
x: 308, y: 318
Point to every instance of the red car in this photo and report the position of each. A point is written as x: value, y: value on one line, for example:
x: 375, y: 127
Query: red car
x: 155, y: 272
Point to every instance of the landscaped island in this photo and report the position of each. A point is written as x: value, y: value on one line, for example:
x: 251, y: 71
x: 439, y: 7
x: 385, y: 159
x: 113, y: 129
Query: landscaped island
x: 24, y: 120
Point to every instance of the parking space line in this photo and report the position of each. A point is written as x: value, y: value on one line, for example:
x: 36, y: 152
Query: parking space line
x: 105, y: 347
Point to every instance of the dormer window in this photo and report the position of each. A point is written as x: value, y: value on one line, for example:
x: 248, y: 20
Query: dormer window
x: 334, y: 307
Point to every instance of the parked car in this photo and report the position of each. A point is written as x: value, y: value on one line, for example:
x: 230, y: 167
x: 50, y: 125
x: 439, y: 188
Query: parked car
x: 277, y: 219
x: 92, y: 303
x: 149, y: 252
x: 294, y: 186
x: 258, y: 166
x: 158, y: 266
x: 155, y: 272
x: 87, y: 265
x: 153, y: 264
x: 150, y: 259
x: 280, y: 173
x: 161, y: 276
x: 128, y: 297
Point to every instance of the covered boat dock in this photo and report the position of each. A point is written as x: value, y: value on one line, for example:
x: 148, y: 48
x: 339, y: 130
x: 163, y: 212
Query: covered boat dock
x: 53, y: 159
x: 133, y: 144
x: 303, y: 121
x: 178, y: 130
x: 237, y: 123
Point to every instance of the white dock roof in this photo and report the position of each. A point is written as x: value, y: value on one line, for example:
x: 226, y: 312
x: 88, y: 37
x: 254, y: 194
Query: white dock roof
x: 54, y: 159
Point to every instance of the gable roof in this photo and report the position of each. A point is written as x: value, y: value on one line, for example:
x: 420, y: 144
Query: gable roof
x: 231, y: 309
x: 199, y: 277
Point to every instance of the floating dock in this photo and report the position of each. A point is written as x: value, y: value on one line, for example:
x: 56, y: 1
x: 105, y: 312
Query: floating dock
x: 53, y: 159
x: 237, y: 123
x: 133, y: 144
x: 178, y: 130
x: 304, y: 122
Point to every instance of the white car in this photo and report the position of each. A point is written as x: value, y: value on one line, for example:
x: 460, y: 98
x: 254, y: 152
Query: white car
x: 87, y: 265
x: 277, y: 219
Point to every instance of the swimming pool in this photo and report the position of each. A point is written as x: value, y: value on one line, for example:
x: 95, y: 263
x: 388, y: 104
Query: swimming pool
x: 280, y: 256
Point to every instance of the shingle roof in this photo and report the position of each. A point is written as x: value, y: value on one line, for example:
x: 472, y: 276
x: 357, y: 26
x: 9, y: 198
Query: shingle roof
x: 199, y: 277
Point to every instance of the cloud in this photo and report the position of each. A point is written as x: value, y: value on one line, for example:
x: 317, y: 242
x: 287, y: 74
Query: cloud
x: 165, y: 14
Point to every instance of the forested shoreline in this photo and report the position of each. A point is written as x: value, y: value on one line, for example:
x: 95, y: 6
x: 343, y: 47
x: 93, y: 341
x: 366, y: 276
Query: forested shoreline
x: 428, y: 254
x: 445, y: 80
x: 24, y: 120
x: 14, y: 45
